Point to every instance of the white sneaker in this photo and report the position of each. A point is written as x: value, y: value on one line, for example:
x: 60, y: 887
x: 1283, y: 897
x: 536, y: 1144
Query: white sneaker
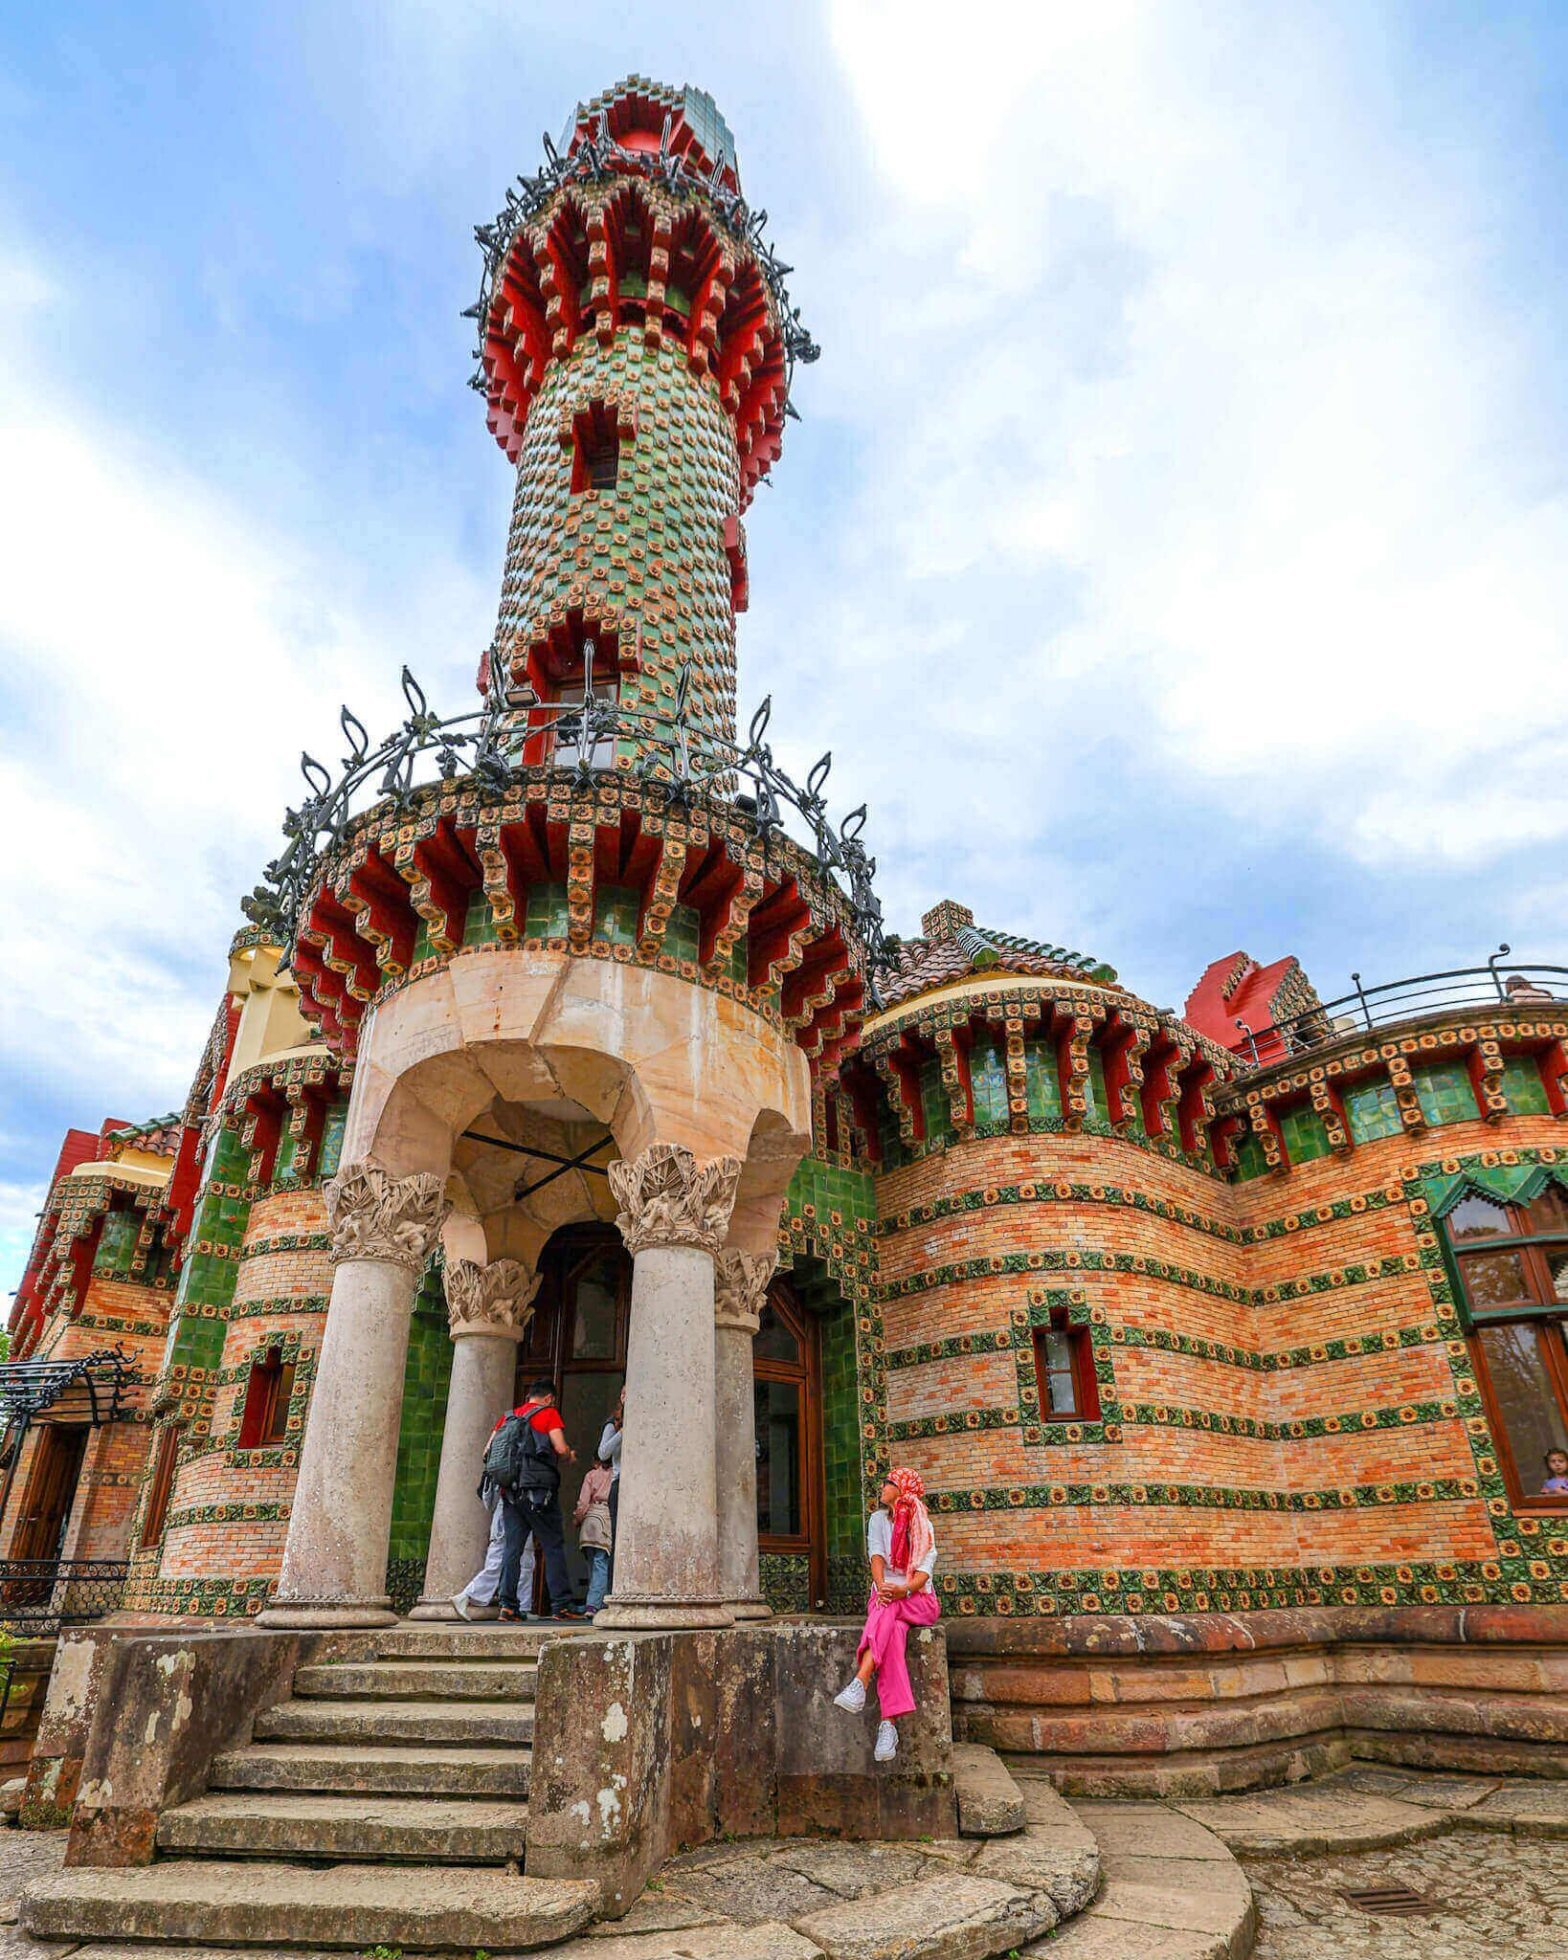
x: 852, y: 1698
x: 461, y: 1606
x: 887, y: 1743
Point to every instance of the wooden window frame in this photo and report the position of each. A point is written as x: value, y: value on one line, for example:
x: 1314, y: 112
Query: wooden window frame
x: 1080, y: 1355
x: 1544, y: 1311
x: 810, y: 1541
x: 165, y: 1462
x: 264, y: 1415
x: 596, y: 436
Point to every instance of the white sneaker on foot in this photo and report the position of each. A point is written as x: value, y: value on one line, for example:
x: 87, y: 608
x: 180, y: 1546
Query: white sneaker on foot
x: 887, y: 1743
x: 852, y: 1698
x: 461, y: 1606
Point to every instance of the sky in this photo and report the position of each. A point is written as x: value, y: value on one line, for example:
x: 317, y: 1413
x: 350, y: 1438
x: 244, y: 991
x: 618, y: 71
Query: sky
x: 1173, y: 549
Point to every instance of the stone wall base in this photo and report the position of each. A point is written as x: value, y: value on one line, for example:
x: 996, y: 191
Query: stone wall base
x: 650, y: 1744
x: 1189, y: 1705
x: 134, y: 1718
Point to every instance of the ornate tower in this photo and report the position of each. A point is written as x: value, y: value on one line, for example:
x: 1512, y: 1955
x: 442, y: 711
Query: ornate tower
x: 635, y: 349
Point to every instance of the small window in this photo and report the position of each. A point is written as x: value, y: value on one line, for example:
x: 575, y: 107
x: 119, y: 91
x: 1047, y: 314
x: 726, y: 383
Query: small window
x: 1064, y: 1368
x: 265, y: 1422
x: 596, y: 457
x: 162, y: 1484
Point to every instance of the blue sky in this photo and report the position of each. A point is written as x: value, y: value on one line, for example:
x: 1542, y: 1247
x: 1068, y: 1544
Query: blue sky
x: 1173, y: 551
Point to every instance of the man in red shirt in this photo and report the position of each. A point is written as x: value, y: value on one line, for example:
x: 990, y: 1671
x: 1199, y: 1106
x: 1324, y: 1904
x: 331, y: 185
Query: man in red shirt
x: 534, y: 1507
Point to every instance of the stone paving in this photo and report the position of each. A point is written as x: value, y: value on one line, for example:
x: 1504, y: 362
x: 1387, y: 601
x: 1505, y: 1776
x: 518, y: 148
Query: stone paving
x: 1499, y: 1897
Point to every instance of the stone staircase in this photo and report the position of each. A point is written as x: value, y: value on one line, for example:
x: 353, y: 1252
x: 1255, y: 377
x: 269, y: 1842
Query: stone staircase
x: 416, y: 1758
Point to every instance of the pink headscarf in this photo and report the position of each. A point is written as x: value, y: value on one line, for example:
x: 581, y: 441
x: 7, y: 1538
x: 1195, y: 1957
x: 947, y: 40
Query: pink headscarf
x: 913, y: 1536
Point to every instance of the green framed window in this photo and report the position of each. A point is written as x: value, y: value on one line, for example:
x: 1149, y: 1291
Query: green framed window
x: 1523, y: 1089
x: 1305, y: 1135
x: 1511, y: 1263
x: 1372, y: 1111
x: 1250, y: 1160
x: 1446, y: 1094
x: 988, y: 1083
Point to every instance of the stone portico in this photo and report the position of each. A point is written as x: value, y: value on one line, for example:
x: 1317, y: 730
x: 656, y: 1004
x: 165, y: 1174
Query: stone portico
x: 708, y: 1105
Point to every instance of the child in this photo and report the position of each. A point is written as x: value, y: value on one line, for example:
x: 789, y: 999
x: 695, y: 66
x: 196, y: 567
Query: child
x: 1556, y: 1484
x: 901, y: 1545
x: 592, y: 1519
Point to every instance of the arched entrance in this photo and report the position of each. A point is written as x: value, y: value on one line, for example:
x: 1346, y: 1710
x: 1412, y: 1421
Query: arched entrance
x: 578, y: 1338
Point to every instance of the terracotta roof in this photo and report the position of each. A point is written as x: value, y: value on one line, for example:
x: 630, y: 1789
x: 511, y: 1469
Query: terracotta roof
x: 159, y: 1135
x: 958, y: 948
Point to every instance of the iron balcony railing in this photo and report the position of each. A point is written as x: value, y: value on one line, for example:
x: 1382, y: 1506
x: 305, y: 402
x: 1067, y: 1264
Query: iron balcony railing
x: 1491, y: 988
x: 41, y: 1595
x: 692, y: 762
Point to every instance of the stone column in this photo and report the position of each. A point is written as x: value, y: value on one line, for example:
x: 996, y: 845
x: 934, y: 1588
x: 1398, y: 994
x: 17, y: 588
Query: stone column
x: 488, y: 1311
x: 673, y: 1216
x: 335, y: 1559
x: 741, y: 1285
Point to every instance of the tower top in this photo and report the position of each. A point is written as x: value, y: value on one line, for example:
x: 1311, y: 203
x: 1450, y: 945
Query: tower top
x: 635, y: 112
x: 636, y: 222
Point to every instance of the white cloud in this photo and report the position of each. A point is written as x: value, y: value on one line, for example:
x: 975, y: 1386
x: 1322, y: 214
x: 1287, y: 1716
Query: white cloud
x: 1182, y: 350
x: 169, y: 652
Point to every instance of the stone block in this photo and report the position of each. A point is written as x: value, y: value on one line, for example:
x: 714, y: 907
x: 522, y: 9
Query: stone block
x: 990, y: 1803
x: 948, y: 1918
x: 647, y: 1744
x: 599, y: 1788
x: 151, y: 1712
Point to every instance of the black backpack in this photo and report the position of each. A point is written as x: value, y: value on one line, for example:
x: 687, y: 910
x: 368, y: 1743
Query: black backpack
x: 519, y: 1458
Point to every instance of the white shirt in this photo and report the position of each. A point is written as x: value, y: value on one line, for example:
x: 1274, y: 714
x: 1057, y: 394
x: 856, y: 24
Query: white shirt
x: 610, y: 1448
x: 879, y: 1544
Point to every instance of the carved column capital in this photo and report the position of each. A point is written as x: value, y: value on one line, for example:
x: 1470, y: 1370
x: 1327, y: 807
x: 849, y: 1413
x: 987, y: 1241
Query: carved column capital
x: 667, y: 1198
x: 374, y: 1215
x: 740, y: 1286
x: 497, y: 1299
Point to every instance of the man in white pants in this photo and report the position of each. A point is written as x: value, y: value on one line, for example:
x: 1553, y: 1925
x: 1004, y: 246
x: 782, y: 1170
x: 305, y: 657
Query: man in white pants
x: 477, y: 1600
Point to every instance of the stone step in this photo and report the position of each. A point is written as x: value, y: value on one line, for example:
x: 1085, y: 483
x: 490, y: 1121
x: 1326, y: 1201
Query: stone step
x: 438, y: 1641
x: 243, y: 1903
x: 387, y: 1772
x: 419, y: 1680
x: 481, y: 1723
x: 442, y: 1830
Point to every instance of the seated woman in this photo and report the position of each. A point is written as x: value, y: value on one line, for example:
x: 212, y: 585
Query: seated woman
x: 902, y: 1548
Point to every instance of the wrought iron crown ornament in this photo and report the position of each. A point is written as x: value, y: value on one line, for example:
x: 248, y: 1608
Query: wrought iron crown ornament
x: 692, y: 764
x: 598, y: 157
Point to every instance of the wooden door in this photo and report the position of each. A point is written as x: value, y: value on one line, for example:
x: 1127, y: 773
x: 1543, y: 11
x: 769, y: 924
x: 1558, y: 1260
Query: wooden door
x: 50, y: 1491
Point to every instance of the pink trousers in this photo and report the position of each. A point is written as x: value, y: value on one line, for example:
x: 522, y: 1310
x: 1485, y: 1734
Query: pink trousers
x: 887, y: 1630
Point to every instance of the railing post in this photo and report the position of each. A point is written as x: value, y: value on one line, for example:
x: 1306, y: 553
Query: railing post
x: 1501, y: 954
x: 1366, y: 1011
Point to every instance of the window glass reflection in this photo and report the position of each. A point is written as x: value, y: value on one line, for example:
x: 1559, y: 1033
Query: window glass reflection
x: 1527, y: 1406
x: 1475, y: 1217
x: 779, y: 1507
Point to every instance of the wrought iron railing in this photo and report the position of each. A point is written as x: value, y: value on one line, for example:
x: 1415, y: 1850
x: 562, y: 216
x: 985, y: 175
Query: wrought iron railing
x: 693, y: 764
x: 1491, y: 988
x: 40, y: 1595
x: 599, y: 157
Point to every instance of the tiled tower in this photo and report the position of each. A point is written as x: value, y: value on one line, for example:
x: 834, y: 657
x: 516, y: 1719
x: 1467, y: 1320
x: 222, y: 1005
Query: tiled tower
x: 635, y: 346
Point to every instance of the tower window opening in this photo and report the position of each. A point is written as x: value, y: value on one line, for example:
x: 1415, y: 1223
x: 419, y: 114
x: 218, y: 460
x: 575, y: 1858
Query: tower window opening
x: 1064, y: 1368
x: 265, y: 1421
x: 596, y: 452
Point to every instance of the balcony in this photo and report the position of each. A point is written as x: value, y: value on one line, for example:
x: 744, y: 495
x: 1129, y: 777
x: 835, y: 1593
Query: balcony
x: 1488, y: 990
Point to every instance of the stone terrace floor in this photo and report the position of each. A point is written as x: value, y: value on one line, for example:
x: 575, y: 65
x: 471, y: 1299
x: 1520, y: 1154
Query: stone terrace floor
x: 1490, y: 1855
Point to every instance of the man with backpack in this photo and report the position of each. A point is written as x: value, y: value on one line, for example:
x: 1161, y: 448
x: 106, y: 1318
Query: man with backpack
x: 527, y: 1449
